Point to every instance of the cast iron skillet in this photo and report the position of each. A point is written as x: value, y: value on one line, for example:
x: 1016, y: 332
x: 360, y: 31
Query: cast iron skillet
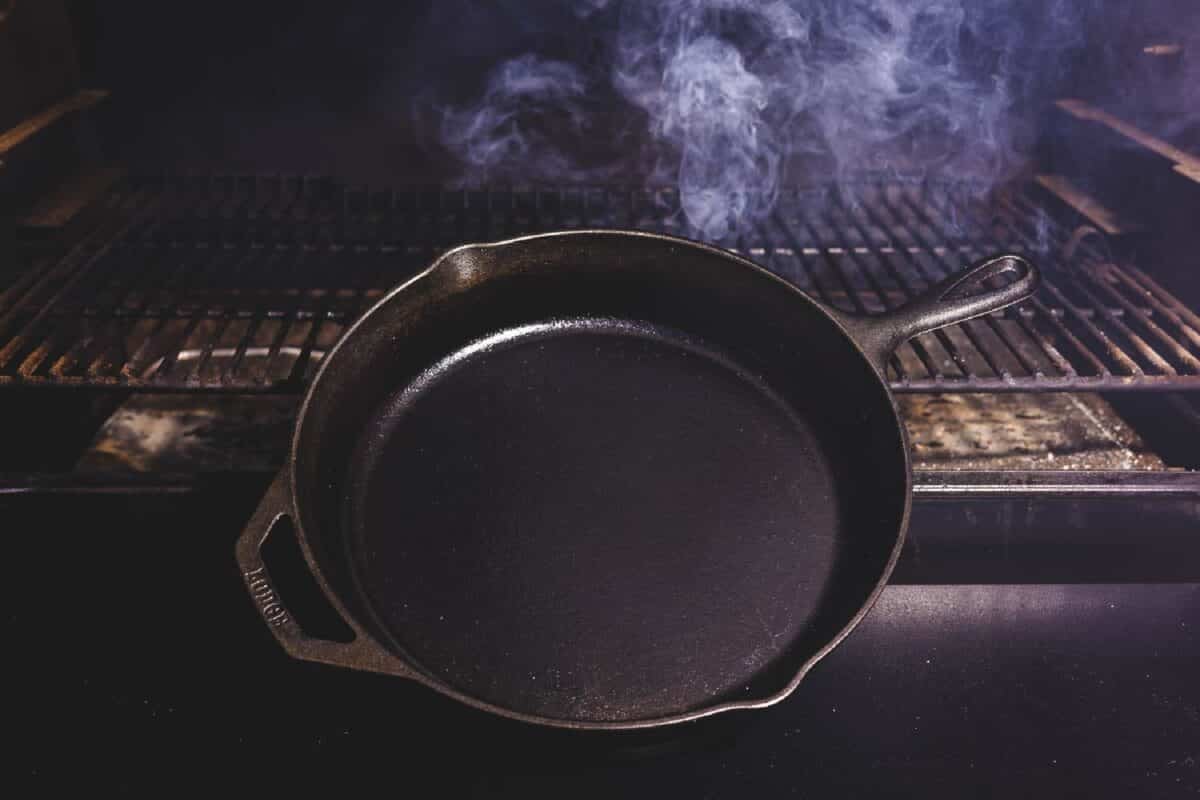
x: 602, y: 479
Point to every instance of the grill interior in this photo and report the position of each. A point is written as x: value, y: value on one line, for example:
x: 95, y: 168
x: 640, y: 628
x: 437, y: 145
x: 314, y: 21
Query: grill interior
x: 242, y: 283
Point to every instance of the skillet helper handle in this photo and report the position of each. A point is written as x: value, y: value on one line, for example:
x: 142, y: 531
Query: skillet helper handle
x: 960, y: 297
x: 361, y: 652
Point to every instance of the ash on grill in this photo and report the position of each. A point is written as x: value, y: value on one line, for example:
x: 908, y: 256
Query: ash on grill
x: 1037, y: 431
x: 193, y: 433
x: 204, y: 433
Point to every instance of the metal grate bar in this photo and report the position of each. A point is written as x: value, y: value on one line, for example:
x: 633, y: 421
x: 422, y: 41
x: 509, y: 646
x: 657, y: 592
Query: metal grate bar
x: 1173, y: 348
x: 1020, y: 227
x: 1067, y: 309
x: 23, y: 345
x: 888, y: 255
x: 973, y: 329
x: 923, y: 218
x: 917, y: 344
x: 1104, y: 278
x: 828, y: 256
x: 243, y: 283
x: 1179, y: 315
x: 803, y: 275
x: 1046, y: 347
x: 809, y: 275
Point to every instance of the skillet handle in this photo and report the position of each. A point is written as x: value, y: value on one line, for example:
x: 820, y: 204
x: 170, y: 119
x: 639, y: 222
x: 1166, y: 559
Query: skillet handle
x: 960, y: 297
x: 360, y: 653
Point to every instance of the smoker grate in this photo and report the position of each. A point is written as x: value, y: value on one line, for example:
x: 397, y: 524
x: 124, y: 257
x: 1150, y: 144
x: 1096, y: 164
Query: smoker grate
x: 242, y: 283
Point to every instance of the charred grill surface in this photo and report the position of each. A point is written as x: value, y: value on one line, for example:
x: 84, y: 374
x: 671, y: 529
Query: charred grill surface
x: 243, y: 283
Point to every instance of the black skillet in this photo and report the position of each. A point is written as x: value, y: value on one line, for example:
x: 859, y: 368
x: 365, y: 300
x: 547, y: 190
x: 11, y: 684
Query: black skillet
x: 602, y: 479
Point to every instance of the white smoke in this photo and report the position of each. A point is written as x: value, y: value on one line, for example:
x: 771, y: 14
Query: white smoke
x: 501, y: 131
x: 735, y: 97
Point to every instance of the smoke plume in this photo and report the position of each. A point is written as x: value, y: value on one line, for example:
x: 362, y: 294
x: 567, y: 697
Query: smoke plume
x: 731, y: 99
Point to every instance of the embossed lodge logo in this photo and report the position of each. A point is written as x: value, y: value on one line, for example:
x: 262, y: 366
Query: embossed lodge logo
x: 264, y: 595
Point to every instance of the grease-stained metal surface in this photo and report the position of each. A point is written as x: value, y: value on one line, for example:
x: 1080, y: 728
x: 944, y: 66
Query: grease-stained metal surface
x: 1021, y: 432
x: 244, y: 283
x: 202, y: 433
x: 190, y: 433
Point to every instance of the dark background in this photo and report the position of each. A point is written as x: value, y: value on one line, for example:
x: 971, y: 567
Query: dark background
x: 330, y: 88
x: 135, y: 660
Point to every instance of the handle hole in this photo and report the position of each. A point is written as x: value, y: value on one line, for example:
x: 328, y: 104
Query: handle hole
x: 298, y: 588
x: 997, y: 275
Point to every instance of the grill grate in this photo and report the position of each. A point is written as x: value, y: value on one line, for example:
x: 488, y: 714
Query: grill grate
x: 242, y: 283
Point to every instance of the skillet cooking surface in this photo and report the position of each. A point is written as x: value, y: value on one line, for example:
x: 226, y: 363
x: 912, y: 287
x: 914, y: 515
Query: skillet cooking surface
x: 595, y: 519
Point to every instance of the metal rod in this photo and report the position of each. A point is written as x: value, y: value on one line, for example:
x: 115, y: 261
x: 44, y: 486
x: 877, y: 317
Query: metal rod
x: 910, y: 293
x: 1179, y: 314
x: 894, y: 362
x: 198, y: 263
x: 972, y: 327
x: 170, y: 359
x: 1113, y: 350
x: 166, y: 293
x: 947, y: 268
x: 1133, y: 338
x: 917, y: 345
x: 1036, y: 335
x: 1174, y: 347
x: 73, y: 269
x: 798, y: 253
